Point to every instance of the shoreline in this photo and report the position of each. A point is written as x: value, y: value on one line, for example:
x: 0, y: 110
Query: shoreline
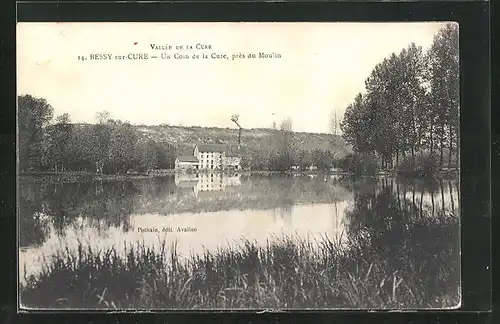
x: 79, y: 176
x: 82, y: 176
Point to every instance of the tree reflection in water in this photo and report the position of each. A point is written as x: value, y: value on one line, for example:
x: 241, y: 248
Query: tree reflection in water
x: 400, y: 246
x: 416, y: 240
x: 43, y: 207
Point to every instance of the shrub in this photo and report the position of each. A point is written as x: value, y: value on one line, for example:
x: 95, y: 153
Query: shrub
x: 425, y: 164
x: 362, y: 164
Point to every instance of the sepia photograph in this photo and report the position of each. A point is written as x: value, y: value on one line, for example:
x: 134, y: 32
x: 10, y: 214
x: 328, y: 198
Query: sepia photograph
x: 238, y: 166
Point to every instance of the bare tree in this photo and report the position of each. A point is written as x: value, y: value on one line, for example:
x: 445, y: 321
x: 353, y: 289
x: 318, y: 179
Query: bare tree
x: 103, y: 117
x: 234, y: 119
x: 286, y: 124
x: 286, y: 130
x: 285, y: 159
x: 335, y: 123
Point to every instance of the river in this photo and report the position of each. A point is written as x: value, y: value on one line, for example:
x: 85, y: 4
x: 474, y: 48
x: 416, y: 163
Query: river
x: 210, y: 211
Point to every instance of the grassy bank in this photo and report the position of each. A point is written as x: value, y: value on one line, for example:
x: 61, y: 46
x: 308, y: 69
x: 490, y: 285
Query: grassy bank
x: 286, y: 273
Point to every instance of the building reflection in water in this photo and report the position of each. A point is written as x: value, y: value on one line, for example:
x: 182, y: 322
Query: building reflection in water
x: 201, y: 183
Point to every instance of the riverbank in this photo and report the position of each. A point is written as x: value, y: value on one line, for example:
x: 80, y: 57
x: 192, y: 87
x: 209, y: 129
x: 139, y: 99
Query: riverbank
x: 288, y: 272
x: 71, y: 177
x: 77, y: 176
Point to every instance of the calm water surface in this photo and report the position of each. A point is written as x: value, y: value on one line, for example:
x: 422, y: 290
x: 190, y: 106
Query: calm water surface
x: 214, y: 211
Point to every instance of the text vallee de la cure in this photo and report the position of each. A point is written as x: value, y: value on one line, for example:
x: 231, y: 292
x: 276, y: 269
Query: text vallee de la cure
x: 197, y: 51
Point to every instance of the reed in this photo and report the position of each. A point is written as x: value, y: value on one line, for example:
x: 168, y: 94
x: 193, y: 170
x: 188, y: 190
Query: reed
x: 287, y: 272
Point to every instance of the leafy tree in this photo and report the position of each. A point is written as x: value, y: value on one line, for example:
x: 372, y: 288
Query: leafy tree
x: 304, y: 159
x: 98, y: 146
x: 411, y: 105
x: 412, y: 96
x: 122, y: 143
x: 146, y: 155
x: 323, y: 159
x: 444, y: 85
x: 166, y: 154
x: 355, y: 127
x: 33, y: 115
x: 60, y: 135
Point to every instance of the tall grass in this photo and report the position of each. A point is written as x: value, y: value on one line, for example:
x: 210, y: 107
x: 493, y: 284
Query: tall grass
x: 287, y: 272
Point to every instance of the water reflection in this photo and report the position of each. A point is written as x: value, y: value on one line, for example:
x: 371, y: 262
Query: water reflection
x: 206, y: 182
x: 222, y: 209
x: 414, y: 231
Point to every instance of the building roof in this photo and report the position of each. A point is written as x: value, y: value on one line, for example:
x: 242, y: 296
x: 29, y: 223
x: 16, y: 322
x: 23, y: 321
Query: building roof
x: 188, y: 158
x: 211, y: 148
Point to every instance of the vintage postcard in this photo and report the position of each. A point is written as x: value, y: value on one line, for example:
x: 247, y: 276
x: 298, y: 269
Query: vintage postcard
x: 238, y: 166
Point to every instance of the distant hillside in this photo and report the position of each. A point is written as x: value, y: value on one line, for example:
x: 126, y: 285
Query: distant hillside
x: 252, y: 140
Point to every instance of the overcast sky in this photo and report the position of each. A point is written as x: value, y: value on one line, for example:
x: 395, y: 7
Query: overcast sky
x: 322, y: 67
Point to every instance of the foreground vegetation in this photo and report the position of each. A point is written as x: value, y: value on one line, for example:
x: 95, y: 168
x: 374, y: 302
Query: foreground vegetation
x: 373, y: 267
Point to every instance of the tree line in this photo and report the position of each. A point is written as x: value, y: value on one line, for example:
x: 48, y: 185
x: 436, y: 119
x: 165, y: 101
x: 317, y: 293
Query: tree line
x: 112, y: 146
x: 283, y: 152
x: 109, y: 146
x: 408, y: 116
